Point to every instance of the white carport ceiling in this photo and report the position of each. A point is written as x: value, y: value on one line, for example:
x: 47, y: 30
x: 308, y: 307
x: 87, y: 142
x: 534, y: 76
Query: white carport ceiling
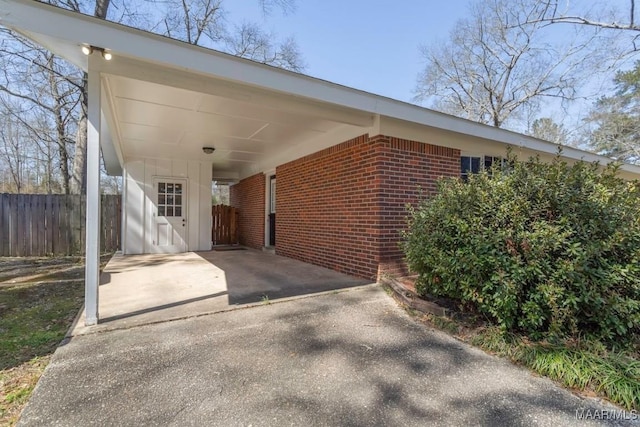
x: 160, y: 121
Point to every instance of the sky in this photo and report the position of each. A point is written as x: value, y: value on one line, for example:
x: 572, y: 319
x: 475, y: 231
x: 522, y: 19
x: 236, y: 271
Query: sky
x: 368, y: 45
x: 374, y: 45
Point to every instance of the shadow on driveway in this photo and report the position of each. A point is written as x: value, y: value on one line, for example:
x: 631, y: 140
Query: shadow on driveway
x: 351, y: 358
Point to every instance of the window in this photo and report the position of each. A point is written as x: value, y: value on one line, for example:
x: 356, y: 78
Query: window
x: 474, y: 164
x: 469, y: 165
x: 489, y: 161
x: 169, y: 199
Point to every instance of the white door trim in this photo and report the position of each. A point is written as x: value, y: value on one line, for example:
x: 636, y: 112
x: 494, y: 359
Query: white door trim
x: 267, y: 204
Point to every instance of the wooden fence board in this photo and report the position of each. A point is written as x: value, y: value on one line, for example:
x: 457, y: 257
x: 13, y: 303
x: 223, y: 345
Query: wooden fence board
x: 14, y: 225
x: 55, y: 225
x: 48, y: 216
x: 5, y: 222
x: 224, y: 230
x: 36, y: 225
x: 48, y: 224
x: 27, y: 224
x: 38, y: 217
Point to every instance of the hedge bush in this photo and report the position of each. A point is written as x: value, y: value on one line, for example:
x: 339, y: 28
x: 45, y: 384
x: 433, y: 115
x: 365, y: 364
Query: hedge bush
x: 548, y: 249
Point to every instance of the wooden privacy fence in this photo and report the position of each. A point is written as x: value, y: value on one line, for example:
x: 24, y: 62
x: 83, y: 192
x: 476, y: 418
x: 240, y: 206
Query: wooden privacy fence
x: 224, y: 230
x: 54, y: 224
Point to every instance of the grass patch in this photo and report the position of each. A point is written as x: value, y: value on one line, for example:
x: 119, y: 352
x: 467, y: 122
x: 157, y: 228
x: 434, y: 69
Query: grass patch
x: 16, y: 385
x: 34, y: 317
x: 582, y: 366
x: 587, y: 366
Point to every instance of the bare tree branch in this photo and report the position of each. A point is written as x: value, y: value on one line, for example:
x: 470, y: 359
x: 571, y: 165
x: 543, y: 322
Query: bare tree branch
x: 497, y: 63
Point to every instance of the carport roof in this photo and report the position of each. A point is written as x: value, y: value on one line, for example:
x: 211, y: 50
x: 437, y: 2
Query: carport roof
x: 165, y: 98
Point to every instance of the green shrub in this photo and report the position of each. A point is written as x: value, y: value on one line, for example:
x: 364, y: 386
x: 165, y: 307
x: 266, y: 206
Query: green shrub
x: 549, y: 249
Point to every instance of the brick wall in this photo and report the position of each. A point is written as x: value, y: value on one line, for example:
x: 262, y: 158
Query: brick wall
x: 343, y: 207
x: 249, y: 197
x: 408, y: 169
x: 328, y: 205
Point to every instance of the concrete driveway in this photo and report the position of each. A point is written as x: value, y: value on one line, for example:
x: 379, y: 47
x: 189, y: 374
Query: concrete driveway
x: 349, y: 358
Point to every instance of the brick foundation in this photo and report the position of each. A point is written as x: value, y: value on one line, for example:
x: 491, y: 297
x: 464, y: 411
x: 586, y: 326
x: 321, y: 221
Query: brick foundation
x: 248, y: 196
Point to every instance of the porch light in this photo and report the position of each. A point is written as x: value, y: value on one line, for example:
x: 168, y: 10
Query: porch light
x: 88, y: 50
x: 208, y: 150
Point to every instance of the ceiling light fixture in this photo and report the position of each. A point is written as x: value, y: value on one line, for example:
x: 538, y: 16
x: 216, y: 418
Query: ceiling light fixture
x: 88, y: 50
x: 208, y: 150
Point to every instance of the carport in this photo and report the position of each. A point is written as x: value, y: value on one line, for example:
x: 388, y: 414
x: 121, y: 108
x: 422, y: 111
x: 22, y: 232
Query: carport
x: 171, y: 117
x: 144, y: 289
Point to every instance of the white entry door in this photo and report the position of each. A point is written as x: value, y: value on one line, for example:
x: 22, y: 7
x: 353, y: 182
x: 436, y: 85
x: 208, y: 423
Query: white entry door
x: 170, y: 217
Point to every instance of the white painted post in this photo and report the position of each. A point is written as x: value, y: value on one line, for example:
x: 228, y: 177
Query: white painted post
x: 92, y: 257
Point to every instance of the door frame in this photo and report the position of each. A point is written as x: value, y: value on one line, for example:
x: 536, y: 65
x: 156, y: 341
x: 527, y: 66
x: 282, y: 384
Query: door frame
x: 154, y: 209
x: 267, y: 204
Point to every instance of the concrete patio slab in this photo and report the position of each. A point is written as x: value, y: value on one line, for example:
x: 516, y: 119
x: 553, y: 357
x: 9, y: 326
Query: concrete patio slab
x: 142, y: 289
x: 351, y: 358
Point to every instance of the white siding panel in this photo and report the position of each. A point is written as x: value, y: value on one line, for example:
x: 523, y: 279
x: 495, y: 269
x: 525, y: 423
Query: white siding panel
x: 206, y: 172
x: 199, y: 206
x: 193, y: 219
x: 134, y: 230
x: 150, y: 170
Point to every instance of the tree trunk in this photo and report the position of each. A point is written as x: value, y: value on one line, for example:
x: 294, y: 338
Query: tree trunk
x: 60, y: 126
x: 79, y: 174
x: 79, y: 178
x: 102, y: 6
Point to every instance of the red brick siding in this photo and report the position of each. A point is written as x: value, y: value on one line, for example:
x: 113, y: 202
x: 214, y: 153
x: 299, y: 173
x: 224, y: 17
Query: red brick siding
x: 249, y: 197
x: 408, y: 169
x: 327, y: 208
x: 343, y: 207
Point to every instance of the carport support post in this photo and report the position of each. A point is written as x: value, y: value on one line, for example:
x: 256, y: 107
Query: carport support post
x: 92, y: 254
